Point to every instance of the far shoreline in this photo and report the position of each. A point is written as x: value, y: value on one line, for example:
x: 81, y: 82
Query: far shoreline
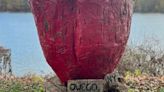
x: 10, y: 12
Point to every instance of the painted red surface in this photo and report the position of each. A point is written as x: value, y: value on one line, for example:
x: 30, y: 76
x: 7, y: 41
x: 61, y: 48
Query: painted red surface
x: 82, y: 39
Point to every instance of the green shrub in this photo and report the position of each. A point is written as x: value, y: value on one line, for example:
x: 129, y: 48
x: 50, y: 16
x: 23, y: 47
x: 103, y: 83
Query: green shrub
x: 161, y: 89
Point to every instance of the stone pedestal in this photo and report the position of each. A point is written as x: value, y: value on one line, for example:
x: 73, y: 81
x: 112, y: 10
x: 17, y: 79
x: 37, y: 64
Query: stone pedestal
x: 86, y: 85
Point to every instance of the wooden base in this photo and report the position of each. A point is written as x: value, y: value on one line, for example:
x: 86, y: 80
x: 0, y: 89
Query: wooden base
x: 111, y: 83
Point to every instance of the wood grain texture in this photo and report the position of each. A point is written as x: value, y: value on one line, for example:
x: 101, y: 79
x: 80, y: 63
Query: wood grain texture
x: 82, y: 39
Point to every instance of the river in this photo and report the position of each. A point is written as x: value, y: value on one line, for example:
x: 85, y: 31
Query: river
x: 18, y: 32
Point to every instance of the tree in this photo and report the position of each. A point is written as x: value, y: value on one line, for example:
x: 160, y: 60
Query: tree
x: 161, y: 5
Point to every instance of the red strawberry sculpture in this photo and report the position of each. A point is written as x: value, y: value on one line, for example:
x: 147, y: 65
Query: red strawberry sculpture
x: 82, y: 39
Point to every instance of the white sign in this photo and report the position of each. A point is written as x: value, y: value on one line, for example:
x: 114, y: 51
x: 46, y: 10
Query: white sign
x: 86, y: 86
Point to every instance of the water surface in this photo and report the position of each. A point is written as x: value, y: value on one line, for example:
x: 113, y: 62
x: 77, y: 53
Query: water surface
x: 18, y: 32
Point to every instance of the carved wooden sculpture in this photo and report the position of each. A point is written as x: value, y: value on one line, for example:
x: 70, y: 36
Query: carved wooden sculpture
x: 82, y: 39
